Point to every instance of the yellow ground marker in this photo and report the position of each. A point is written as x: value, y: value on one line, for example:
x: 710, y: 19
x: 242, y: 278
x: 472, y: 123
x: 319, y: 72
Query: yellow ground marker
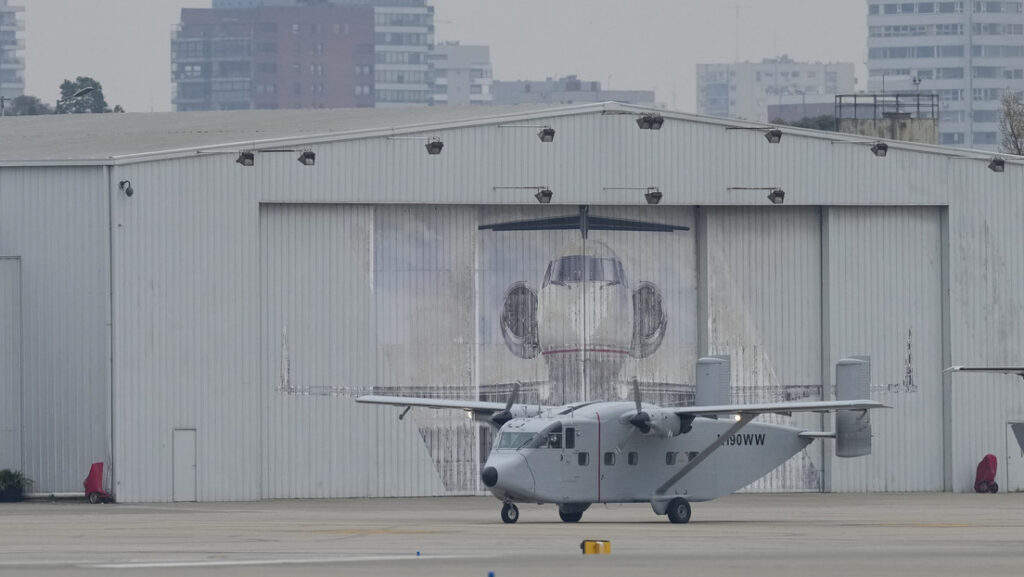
x: 593, y: 547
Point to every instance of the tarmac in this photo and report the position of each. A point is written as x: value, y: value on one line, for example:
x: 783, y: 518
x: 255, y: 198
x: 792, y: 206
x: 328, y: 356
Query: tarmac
x: 780, y: 534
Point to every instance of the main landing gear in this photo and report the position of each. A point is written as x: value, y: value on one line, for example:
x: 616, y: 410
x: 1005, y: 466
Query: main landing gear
x: 509, y: 513
x: 679, y: 510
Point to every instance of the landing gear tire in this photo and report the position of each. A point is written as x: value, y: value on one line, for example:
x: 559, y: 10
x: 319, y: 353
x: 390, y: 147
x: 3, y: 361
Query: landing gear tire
x: 981, y: 487
x: 94, y: 498
x: 993, y: 488
x: 509, y: 513
x: 570, y: 517
x: 679, y: 510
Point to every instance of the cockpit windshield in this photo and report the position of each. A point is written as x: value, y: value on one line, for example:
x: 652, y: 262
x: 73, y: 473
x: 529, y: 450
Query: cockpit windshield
x: 580, y: 268
x: 549, y: 438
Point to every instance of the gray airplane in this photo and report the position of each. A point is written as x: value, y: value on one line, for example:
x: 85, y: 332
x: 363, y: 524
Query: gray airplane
x: 579, y: 454
x: 1018, y: 428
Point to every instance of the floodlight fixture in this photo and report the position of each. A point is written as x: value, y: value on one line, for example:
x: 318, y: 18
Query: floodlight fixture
x: 126, y: 188
x: 997, y: 164
x: 880, y: 149
x: 777, y: 196
x: 246, y: 158
x: 544, y: 195
x: 650, y: 121
x: 773, y: 136
x: 307, y: 158
x: 546, y: 134
x: 434, y: 146
x: 653, y: 195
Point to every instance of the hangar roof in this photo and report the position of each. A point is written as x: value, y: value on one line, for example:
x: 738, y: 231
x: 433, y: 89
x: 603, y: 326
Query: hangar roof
x: 104, y: 138
x: 98, y: 139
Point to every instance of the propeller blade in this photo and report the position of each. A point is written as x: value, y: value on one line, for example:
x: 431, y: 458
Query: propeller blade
x: 636, y: 395
x: 504, y: 416
x: 641, y: 420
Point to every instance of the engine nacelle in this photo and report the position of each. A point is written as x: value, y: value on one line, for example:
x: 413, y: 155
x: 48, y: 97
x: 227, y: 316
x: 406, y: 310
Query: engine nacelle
x: 662, y: 423
x: 649, y: 320
x: 519, y: 321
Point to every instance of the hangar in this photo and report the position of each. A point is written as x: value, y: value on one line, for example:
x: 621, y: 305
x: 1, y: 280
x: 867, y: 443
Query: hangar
x: 195, y: 298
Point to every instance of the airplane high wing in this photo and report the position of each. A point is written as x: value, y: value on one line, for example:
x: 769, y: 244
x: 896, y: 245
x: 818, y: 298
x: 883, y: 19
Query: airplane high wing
x: 777, y: 408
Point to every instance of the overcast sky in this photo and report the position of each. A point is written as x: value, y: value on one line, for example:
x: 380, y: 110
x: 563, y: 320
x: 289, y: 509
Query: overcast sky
x: 624, y: 44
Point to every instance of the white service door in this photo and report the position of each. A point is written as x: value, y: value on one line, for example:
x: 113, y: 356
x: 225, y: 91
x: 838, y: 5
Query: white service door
x: 184, y: 464
x: 1014, y: 464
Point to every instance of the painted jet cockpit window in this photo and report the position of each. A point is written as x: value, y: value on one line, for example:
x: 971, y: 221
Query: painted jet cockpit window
x: 579, y: 268
x: 513, y: 440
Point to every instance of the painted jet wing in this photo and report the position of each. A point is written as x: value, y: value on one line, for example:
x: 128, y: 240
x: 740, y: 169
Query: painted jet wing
x: 778, y: 408
x: 1019, y: 371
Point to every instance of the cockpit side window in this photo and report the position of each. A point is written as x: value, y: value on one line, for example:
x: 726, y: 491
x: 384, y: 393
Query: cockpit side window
x: 549, y: 438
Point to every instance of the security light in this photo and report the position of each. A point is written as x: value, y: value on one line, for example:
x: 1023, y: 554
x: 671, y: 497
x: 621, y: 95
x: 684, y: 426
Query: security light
x: 126, y: 188
x: 544, y: 195
x: 246, y: 158
x: 997, y: 165
x: 777, y: 196
x: 653, y: 195
x: 650, y: 121
x: 880, y: 149
x: 307, y: 158
x: 774, y: 135
x: 434, y: 146
x: 547, y: 134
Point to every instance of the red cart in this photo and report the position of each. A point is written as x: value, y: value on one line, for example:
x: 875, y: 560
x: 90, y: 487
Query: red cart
x: 985, y: 478
x: 94, y: 486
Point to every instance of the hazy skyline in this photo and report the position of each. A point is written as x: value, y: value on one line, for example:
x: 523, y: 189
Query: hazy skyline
x: 639, y: 45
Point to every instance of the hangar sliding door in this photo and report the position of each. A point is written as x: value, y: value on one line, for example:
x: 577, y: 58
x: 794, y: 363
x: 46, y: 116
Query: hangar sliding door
x: 884, y: 299
x: 763, y: 303
x: 10, y: 363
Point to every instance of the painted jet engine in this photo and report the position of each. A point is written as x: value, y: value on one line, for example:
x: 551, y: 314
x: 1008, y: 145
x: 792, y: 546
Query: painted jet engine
x: 587, y: 318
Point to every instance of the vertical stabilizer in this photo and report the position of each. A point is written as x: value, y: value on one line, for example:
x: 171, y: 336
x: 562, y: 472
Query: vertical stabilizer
x: 713, y: 375
x: 853, y: 428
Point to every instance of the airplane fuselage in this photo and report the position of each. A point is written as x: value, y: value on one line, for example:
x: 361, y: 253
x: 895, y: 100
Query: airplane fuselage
x: 592, y: 456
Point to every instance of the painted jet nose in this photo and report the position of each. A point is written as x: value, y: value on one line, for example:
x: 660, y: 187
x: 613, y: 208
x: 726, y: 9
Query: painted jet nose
x: 489, y: 476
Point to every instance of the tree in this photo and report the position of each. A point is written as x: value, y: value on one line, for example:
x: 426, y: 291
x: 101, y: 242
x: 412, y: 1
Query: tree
x: 25, y: 106
x: 1011, y: 123
x: 90, y: 102
x: 823, y: 122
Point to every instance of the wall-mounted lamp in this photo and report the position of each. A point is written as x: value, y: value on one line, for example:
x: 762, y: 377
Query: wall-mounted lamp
x: 546, y: 134
x: 775, y: 194
x: 650, y: 121
x: 126, y: 188
x: 651, y: 193
x: 997, y: 164
x: 434, y: 146
x: 880, y: 149
x: 246, y: 158
x: 772, y: 135
x: 543, y: 195
x: 307, y: 158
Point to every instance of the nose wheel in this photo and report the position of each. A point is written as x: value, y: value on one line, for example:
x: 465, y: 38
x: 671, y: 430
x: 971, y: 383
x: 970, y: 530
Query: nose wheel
x: 509, y: 513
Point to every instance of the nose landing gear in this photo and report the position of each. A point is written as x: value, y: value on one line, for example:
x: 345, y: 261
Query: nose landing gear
x: 509, y: 513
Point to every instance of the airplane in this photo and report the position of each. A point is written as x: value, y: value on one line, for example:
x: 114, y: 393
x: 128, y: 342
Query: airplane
x: 584, y: 301
x: 590, y: 452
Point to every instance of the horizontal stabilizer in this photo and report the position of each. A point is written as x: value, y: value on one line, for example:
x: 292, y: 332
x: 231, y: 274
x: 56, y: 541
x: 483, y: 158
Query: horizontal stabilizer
x: 1019, y: 371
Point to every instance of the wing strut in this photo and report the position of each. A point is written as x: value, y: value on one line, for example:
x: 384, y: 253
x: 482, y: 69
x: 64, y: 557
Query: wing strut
x: 744, y: 419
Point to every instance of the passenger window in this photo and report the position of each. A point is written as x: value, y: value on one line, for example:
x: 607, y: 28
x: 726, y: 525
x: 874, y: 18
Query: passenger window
x: 670, y: 458
x: 609, y: 459
x: 570, y: 437
x: 634, y: 458
x: 583, y: 459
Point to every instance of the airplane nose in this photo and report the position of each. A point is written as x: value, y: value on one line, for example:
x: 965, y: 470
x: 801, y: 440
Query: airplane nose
x: 489, y: 476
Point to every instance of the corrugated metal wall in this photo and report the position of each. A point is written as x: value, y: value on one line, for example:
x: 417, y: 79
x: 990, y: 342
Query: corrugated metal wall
x: 10, y: 363
x: 197, y: 341
x: 764, y: 311
x: 884, y: 299
x: 55, y: 222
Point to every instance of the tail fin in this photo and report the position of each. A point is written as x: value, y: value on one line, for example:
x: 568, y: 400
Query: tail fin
x: 853, y: 428
x: 713, y: 387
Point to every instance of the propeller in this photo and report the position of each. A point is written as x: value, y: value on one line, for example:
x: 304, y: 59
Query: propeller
x: 505, y: 415
x: 641, y: 420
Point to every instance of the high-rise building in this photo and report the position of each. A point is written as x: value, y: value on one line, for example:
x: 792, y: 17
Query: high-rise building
x: 968, y: 53
x: 403, y: 36
x: 12, y: 63
x: 460, y: 75
x: 565, y: 90
x: 273, y: 57
x: 744, y: 90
